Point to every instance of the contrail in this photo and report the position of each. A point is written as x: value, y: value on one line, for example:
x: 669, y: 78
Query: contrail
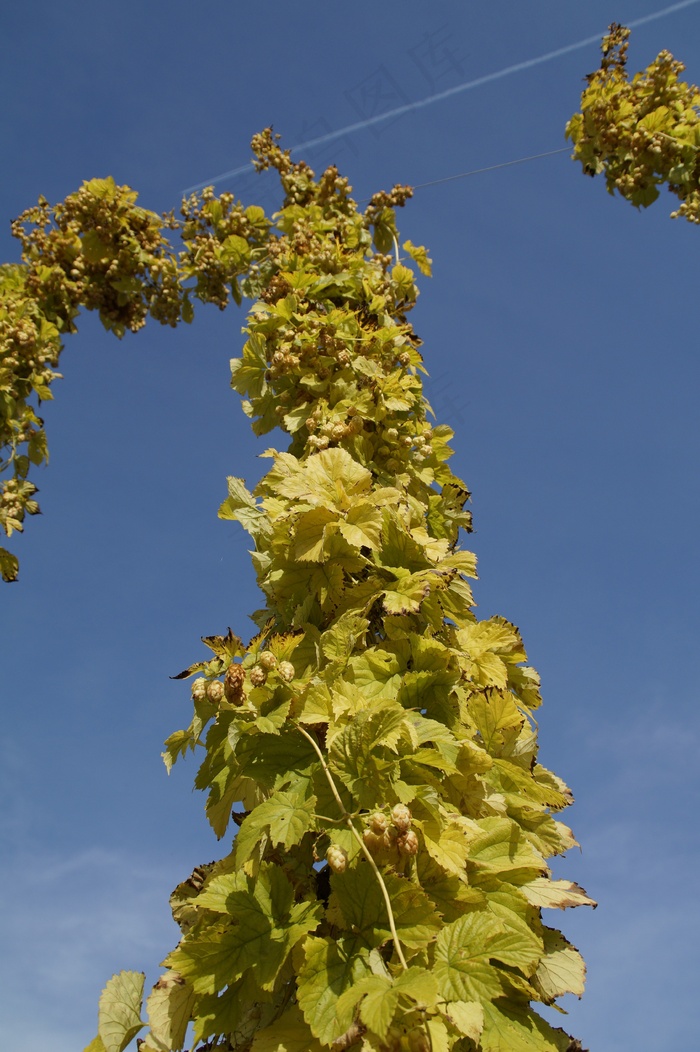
x: 430, y: 100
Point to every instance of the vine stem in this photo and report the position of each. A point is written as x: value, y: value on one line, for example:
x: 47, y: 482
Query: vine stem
x: 363, y: 847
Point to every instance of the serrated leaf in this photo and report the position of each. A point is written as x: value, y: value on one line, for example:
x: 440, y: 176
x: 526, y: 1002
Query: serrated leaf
x: 462, y: 959
x: 447, y: 844
x: 407, y: 595
x: 227, y: 1012
x: 340, y: 640
x: 514, y: 1027
x: 9, y: 565
x: 286, y: 817
x: 439, y: 1038
x: 449, y: 893
x: 362, y: 525
x: 376, y: 673
x: 359, y: 755
x: 420, y: 256
x: 330, y: 968
x: 501, y: 849
x: 228, y: 646
x: 382, y: 995
x: 357, y: 904
x: 561, y: 969
x: 289, y: 1033
x: 267, y: 926
x: 241, y: 506
x: 331, y: 479
x: 310, y: 533
x: 556, y: 894
x: 520, y: 945
x: 169, y: 1008
x: 494, y: 712
x: 119, y: 1015
x: 466, y: 1016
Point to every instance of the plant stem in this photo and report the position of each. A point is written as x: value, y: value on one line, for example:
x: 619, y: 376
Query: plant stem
x: 363, y: 846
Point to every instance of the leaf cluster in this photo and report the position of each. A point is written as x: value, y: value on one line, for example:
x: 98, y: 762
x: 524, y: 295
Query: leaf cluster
x: 100, y: 251
x: 641, y: 133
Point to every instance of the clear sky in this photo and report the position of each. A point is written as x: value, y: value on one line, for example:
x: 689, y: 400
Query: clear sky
x: 562, y: 342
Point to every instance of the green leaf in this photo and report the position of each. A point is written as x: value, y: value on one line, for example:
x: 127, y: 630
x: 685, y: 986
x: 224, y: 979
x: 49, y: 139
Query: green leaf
x: 446, y: 843
x: 331, y: 966
x: 513, y: 1027
x: 362, y: 525
x: 407, y: 595
x: 465, y: 1016
x: 381, y: 996
x: 310, y: 533
x: 267, y: 925
x: 501, y: 849
x: 449, y: 893
x: 286, y: 817
x: 331, y: 479
x: 176, y: 746
x: 37, y: 447
x: 520, y: 945
x: 357, y: 904
x: 242, y: 507
x: 360, y: 757
x: 376, y: 673
x: 94, y: 249
x: 420, y: 257
x: 240, y: 1005
x: 495, y: 713
x: 462, y: 959
x: 119, y: 1016
x: 340, y: 640
x: 289, y: 1033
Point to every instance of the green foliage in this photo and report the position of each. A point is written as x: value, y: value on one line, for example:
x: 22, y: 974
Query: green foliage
x: 374, y: 742
x: 99, y: 250
x: 641, y: 133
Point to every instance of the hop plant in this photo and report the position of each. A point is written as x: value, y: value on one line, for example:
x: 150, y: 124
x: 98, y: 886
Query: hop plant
x: 199, y: 690
x: 641, y: 133
x: 401, y: 817
x: 378, y: 823
x: 215, y: 691
x: 286, y: 671
x: 233, y: 684
x: 337, y: 858
x: 385, y: 717
x: 267, y: 661
x: 257, y: 676
x: 408, y: 843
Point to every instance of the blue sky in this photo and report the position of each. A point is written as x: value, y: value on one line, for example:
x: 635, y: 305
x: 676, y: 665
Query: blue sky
x: 560, y: 335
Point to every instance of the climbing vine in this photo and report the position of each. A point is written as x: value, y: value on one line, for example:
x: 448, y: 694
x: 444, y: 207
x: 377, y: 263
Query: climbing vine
x: 642, y: 133
x: 373, y: 746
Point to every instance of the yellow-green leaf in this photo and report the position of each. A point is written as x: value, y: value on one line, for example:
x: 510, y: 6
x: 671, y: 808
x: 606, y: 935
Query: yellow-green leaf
x: 169, y: 1008
x: 119, y: 1016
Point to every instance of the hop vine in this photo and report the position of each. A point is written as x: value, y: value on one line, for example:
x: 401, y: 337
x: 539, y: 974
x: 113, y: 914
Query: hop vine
x: 642, y: 133
x: 373, y: 747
